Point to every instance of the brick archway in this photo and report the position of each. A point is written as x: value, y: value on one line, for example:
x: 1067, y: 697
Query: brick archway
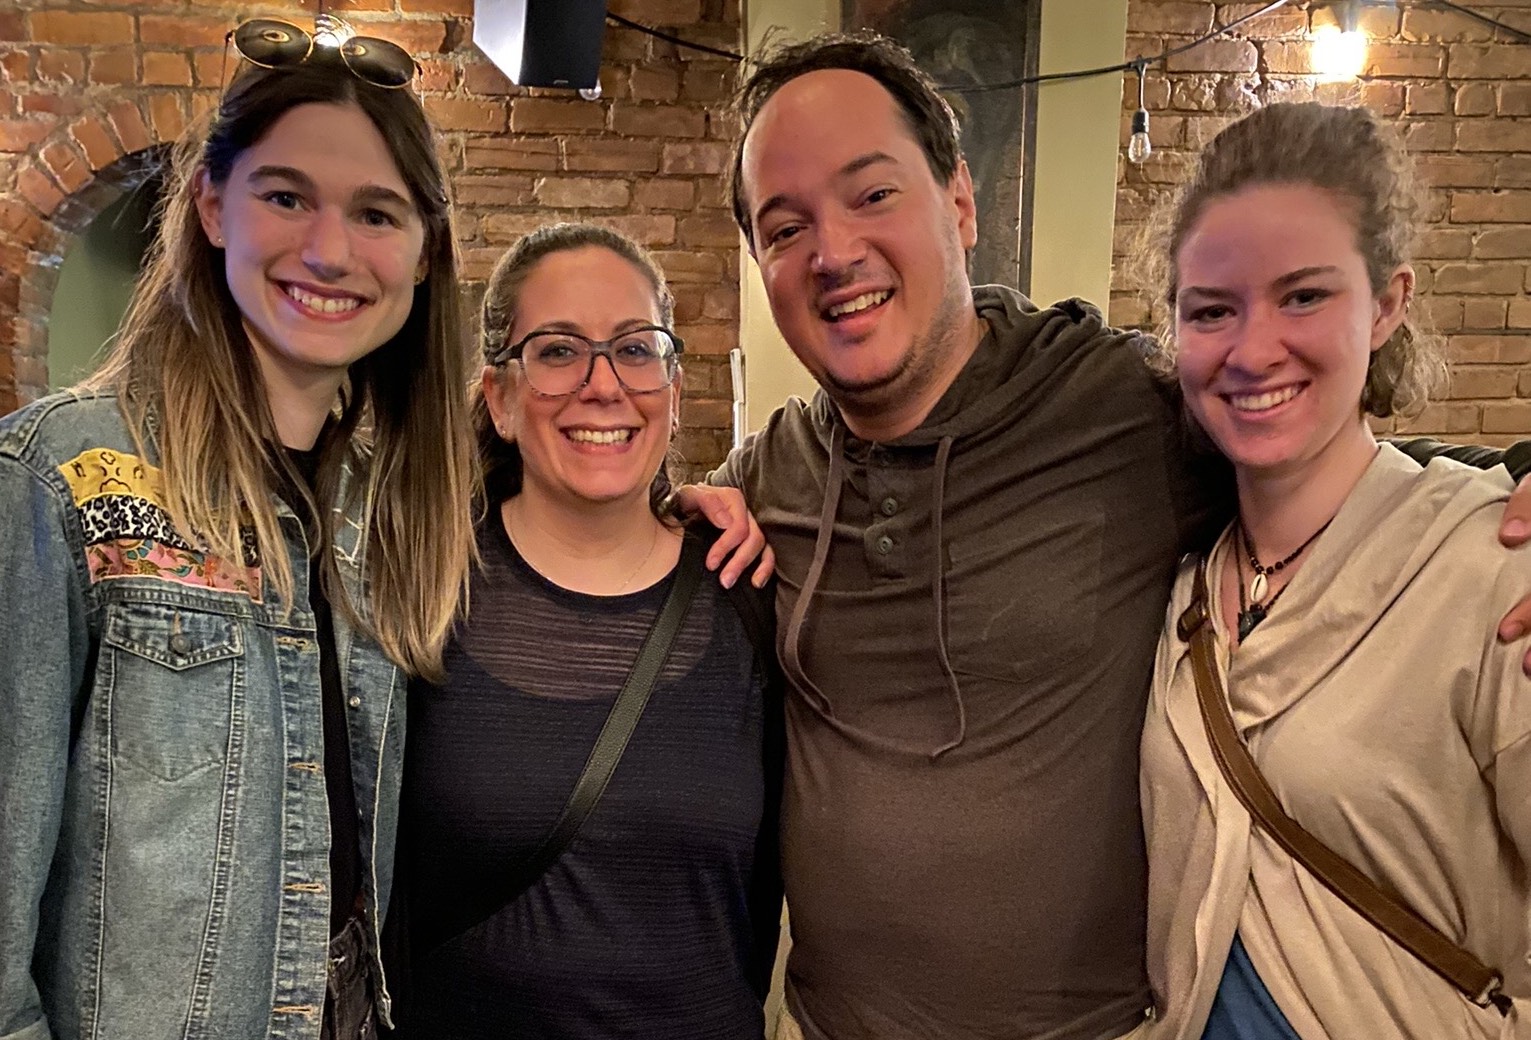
x: 79, y: 170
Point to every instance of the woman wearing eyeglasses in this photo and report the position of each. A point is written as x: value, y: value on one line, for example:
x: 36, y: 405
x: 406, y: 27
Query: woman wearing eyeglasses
x: 216, y: 579
x: 648, y: 905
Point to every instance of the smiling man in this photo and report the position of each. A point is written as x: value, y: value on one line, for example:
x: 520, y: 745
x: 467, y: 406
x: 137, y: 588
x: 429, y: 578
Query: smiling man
x: 976, y: 523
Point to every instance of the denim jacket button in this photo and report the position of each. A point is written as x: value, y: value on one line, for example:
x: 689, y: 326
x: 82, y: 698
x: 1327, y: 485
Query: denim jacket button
x: 179, y: 644
x: 354, y: 702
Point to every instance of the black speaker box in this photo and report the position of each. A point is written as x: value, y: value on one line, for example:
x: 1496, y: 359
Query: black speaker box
x: 542, y: 43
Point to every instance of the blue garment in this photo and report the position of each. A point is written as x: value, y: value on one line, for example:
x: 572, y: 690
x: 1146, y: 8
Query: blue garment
x: 1243, y: 1008
x: 164, y: 823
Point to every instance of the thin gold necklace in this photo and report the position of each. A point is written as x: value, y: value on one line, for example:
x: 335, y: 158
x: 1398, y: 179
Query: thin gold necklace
x: 510, y: 518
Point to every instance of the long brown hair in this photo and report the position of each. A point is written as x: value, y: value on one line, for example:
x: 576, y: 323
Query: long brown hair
x: 499, y: 459
x: 1343, y: 150
x: 190, y: 385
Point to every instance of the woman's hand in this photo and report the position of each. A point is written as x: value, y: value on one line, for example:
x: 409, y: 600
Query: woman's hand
x: 741, y: 541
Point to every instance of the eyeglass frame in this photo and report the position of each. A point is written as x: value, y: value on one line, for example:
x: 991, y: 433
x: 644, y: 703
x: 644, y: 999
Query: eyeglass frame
x: 231, y: 37
x: 598, y: 348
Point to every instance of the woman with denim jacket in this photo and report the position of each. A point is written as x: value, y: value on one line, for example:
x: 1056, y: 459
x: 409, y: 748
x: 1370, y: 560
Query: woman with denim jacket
x: 216, y: 582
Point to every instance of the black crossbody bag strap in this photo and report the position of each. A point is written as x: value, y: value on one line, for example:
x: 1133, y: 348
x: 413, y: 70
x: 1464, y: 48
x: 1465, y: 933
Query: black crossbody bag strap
x: 617, y: 730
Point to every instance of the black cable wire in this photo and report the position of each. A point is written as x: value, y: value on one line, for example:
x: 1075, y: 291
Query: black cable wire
x: 1125, y: 66
x: 1485, y: 19
x: 629, y: 23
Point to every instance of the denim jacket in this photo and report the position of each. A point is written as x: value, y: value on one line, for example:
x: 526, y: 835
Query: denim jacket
x: 164, y: 826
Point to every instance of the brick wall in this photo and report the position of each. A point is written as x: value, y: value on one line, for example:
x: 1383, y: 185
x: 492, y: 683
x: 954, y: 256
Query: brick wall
x: 90, y: 88
x: 1462, y: 97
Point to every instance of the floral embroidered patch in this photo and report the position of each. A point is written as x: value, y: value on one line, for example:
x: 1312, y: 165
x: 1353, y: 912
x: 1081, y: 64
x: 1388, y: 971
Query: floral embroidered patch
x: 129, y: 532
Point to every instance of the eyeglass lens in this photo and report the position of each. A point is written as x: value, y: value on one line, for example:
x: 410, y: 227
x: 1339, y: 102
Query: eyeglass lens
x: 560, y: 363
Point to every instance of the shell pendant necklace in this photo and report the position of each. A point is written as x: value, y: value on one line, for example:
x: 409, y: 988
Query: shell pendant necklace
x: 1256, y: 607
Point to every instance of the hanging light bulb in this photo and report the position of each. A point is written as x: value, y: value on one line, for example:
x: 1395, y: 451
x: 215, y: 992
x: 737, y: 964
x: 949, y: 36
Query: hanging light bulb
x: 1339, y: 51
x: 1139, y: 147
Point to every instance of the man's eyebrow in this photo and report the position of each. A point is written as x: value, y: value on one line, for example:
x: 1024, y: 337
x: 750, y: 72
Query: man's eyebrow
x: 851, y: 168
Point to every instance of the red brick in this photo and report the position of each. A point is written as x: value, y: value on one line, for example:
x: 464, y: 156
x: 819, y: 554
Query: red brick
x: 498, y: 191
x: 706, y: 413
x: 658, y: 193
x: 16, y: 67
x: 1482, y: 381
x: 721, y: 304
x: 1456, y: 171
x: 512, y: 153
x: 548, y: 114
x: 19, y: 223
x: 659, y: 12
x: 1474, y: 99
x: 1503, y: 243
x: 67, y: 166
x: 1520, y: 317
x: 1444, y: 244
x: 13, y: 27
x: 1425, y: 99
x: 1443, y: 418
x: 649, y: 229
x: 1412, y: 61
x: 1515, y: 99
x: 1492, y: 278
x: 459, y: 8
x: 167, y: 115
x: 1486, y: 312
x: 182, y: 30
x: 1217, y: 55
x: 708, y: 83
x: 1421, y: 24
x: 21, y: 135
x: 654, y: 83
x: 128, y: 124
x: 417, y: 36
x: 482, y: 77
x: 1493, y: 207
x: 1512, y: 172
x: 166, y: 69
x: 709, y: 339
x: 74, y: 28
x: 39, y: 189
x: 689, y: 266
x: 583, y: 193
x: 211, y: 68
x: 1177, y: 19
x: 1428, y: 135
x: 713, y: 231
x: 1385, y: 99
x: 436, y: 75
x: 1496, y: 135
x: 666, y: 121
x: 710, y: 158
x: 1442, y: 313
x: 117, y: 66
x: 466, y: 114
x: 510, y: 227
x: 99, y: 148
x: 55, y: 65
x: 1508, y: 417
x: 605, y: 154
x: 1475, y: 61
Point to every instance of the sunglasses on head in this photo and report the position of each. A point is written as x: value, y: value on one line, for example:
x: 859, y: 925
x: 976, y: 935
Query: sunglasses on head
x: 273, y: 44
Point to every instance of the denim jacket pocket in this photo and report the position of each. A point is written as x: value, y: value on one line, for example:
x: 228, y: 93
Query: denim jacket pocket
x: 172, y: 675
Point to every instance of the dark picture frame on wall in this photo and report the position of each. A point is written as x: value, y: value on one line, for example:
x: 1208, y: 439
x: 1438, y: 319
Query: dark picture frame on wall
x: 964, y: 44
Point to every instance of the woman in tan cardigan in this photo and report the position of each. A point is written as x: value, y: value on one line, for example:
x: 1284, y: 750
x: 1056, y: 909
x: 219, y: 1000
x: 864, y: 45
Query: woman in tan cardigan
x: 1353, y: 604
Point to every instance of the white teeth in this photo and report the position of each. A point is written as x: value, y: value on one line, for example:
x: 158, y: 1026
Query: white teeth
x: 1263, y: 402
x: 323, y: 304
x: 601, y: 436
x: 860, y: 303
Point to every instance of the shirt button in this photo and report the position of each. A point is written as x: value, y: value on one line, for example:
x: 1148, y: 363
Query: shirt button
x: 884, y: 545
x: 889, y: 506
x: 354, y: 702
x: 179, y: 644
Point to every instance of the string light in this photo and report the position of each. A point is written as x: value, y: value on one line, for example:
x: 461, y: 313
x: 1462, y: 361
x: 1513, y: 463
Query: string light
x: 1139, y: 147
x: 1339, y: 51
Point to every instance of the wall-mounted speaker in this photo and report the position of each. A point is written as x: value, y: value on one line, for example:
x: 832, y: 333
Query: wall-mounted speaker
x: 542, y: 43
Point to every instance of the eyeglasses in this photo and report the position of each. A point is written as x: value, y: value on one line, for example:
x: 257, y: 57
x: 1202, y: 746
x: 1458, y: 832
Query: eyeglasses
x: 558, y: 364
x: 272, y: 44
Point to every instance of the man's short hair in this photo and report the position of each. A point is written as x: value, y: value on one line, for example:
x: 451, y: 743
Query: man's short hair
x: 930, y: 119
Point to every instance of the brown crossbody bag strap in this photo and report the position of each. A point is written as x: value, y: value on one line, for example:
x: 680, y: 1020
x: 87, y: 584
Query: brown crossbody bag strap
x: 1477, y: 982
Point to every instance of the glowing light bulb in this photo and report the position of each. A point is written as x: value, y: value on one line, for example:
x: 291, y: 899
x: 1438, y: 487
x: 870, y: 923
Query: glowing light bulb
x: 330, y: 31
x: 1139, y: 147
x: 1338, y: 55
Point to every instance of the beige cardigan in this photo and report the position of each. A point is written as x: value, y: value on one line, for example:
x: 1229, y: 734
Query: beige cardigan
x: 1392, y: 724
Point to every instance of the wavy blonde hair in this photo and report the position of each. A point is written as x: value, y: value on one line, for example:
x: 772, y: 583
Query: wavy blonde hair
x: 190, y: 385
x: 1343, y: 150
